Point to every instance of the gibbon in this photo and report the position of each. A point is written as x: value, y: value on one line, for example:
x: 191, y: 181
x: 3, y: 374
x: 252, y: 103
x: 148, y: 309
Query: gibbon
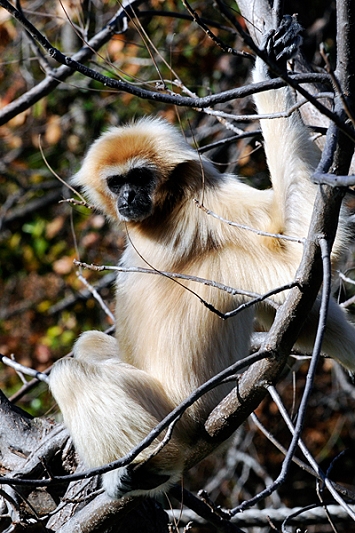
x: 115, y: 390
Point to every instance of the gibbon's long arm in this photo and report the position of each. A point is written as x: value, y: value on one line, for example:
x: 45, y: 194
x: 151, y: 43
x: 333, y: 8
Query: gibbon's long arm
x: 167, y: 343
x: 292, y: 158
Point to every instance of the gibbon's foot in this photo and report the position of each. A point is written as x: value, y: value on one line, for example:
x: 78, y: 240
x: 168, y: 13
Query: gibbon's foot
x: 136, y: 480
x: 283, y: 43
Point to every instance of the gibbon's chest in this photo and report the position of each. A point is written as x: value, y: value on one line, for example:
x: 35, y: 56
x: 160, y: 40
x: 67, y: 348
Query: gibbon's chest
x: 164, y: 327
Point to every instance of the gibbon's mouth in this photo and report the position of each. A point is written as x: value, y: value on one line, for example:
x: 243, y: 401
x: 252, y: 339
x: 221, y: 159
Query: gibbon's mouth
x: 132, y: 213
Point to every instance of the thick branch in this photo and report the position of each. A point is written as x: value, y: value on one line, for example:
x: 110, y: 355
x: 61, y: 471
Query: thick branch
x: 250, y: 390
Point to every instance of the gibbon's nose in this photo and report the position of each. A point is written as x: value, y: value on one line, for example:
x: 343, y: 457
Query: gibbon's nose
x: 126, y: 198
x: 131, y: 196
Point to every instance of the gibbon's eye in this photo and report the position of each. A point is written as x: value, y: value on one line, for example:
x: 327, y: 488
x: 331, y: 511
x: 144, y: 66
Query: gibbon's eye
x: 115, y: 183
x: 141, y: 176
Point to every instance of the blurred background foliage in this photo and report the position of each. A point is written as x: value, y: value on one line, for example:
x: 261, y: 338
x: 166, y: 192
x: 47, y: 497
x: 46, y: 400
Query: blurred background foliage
x: 44, y: 305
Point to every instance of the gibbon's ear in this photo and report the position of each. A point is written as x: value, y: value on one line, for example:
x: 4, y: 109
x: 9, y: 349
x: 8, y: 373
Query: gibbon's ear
x: 192, y: 174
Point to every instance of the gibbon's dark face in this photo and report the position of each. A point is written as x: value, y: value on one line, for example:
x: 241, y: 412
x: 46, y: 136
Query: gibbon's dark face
x: 134, y: 192
x: 132, y: 172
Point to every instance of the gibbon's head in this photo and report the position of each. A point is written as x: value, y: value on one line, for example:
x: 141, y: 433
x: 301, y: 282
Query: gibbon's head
x: 131, y: 171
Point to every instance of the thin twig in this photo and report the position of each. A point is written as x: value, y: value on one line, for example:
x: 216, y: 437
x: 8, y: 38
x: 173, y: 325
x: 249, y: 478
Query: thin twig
x: 41, y: 376
x: 257, y: 298
x: 268, y: 116
x: 225, y: 48
x: 97, y: 296
x: 307, y: 454
x: 280, y: 447
x: 229, y: 140
x: 336, y: 84
x: 248, y: 228
x: 57, y: 176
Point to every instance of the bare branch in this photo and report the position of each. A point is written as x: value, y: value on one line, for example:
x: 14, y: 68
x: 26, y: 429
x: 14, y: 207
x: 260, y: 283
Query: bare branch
x: 248, y: 228
x: 296, y: 436
x: 75, y: 64
x: 97, y: 297
x: 173, y: 275
x: 211, y: 35
x: 23, y: 369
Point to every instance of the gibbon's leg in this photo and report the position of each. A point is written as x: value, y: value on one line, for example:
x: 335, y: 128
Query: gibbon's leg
x: 339, y: 335
x: 109, y: 407
x: 292, y: 158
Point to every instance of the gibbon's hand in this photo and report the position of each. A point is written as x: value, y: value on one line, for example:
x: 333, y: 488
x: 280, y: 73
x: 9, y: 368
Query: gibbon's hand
x: 283, y: 43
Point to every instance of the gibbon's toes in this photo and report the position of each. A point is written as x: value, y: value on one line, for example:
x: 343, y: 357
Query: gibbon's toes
x: 135, y: 480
